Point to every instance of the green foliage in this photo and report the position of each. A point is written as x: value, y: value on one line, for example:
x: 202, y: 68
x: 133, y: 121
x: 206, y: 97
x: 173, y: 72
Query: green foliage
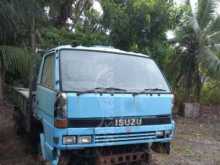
x: 138, y: 25
x: 53, y: 37
x: 91, y: 31
x: 16, y: 64
x: 16, y: 20
x: 211, y: 93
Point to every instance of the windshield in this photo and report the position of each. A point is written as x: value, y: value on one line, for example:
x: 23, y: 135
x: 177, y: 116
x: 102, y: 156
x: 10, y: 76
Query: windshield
x: 86, y: 70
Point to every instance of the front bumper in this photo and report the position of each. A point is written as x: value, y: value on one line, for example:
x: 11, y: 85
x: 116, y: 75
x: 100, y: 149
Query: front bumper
x: 110, y: 136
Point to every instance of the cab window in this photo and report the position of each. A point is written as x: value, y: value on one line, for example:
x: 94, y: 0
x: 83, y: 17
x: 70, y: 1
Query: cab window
x: 47, y: 76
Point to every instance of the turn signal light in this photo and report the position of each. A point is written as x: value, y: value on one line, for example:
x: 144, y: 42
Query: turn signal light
x: 61, y: 123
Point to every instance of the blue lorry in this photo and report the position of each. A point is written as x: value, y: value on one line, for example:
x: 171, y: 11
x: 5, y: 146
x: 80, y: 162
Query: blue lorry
x: 98, y: 105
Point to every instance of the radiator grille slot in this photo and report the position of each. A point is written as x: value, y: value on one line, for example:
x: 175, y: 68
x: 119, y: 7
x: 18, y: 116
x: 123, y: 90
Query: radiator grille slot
x: 104, y: 138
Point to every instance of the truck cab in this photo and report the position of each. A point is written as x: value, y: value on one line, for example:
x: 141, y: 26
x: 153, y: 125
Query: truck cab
x: 100, y: 98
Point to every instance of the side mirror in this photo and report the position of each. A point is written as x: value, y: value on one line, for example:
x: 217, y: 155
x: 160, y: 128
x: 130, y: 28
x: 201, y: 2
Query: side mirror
x: 41, y: 52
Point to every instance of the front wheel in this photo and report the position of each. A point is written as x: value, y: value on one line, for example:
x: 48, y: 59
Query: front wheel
x: 74, y: 159
x: 64, y: 160
x: 161, y: 147
x: 19, y: 122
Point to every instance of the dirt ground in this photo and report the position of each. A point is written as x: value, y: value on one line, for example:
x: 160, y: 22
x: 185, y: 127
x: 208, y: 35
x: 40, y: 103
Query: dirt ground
x: 197, y: 141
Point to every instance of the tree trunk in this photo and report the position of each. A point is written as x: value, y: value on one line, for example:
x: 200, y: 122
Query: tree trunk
x: 33, y: 35
x: 198, y: 85
x: 1, y: 80
x: 1, y: 89
x: 30, y: 101
x: 33, y: 47
x: 191, y: 110
x: 65, y: 11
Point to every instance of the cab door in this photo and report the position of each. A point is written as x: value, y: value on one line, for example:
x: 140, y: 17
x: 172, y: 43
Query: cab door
x: 46, y: 95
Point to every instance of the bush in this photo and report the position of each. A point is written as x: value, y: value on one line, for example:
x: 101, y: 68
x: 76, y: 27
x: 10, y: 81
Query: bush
x: 210, y: 94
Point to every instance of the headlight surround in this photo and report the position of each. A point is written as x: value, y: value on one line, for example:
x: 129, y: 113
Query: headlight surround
x: 84, y: 139
x: 69, y: 139
x: 168, y: 133
x: 61, y: 106
x: 159, y: 133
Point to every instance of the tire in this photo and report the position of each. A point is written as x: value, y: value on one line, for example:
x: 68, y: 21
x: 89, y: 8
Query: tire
x: 161, y: 147
x: 18, y: 122
x: 64, y: 160
x: 68, y: 159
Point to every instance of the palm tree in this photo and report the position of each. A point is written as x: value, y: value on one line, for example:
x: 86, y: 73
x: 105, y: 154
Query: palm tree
x: 198, y: 46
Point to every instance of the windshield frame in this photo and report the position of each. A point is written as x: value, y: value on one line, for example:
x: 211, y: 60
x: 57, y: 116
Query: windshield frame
x: 116, y: 53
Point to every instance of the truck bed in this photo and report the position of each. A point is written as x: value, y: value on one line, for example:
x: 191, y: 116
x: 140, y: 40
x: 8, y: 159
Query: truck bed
x: 21, y: 99
x: 23, y: 110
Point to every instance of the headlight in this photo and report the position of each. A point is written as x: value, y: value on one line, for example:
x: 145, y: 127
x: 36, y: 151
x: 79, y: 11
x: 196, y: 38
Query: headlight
x: 159, y: 133
x: 84, y: 139
x: 69, y: 139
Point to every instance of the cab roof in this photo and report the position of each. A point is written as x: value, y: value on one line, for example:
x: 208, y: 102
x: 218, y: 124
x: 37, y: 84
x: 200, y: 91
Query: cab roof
x: 98, y: 48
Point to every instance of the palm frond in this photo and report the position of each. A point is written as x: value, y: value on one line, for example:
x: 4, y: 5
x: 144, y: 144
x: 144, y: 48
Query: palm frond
x: 192, y: 21
x: 214, y: 37
x: 213, y: 26
x: 215, y: 48
x: 210, y: 62
x: 205, y: 11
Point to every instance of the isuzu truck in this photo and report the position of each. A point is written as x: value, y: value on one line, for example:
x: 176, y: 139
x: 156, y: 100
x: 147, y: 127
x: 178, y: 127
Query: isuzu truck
x: 96, y: 105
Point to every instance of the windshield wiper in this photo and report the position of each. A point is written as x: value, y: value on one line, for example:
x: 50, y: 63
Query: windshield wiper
x: 154, y: 89
x: 151, y: 90
x: 102, y: 89
x: 115, y: 89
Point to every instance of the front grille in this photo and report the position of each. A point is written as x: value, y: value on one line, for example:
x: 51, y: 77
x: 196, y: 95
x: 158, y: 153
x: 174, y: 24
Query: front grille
x: 110, y: 122
x: 123, y: 137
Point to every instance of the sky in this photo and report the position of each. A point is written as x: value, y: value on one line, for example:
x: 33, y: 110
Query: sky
x: 97, y: 6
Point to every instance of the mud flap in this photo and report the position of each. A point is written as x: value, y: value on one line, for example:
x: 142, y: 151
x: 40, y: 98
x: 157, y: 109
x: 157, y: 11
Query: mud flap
x: 42, y: 146
x: 48, y: 153
x: 161, y: 147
